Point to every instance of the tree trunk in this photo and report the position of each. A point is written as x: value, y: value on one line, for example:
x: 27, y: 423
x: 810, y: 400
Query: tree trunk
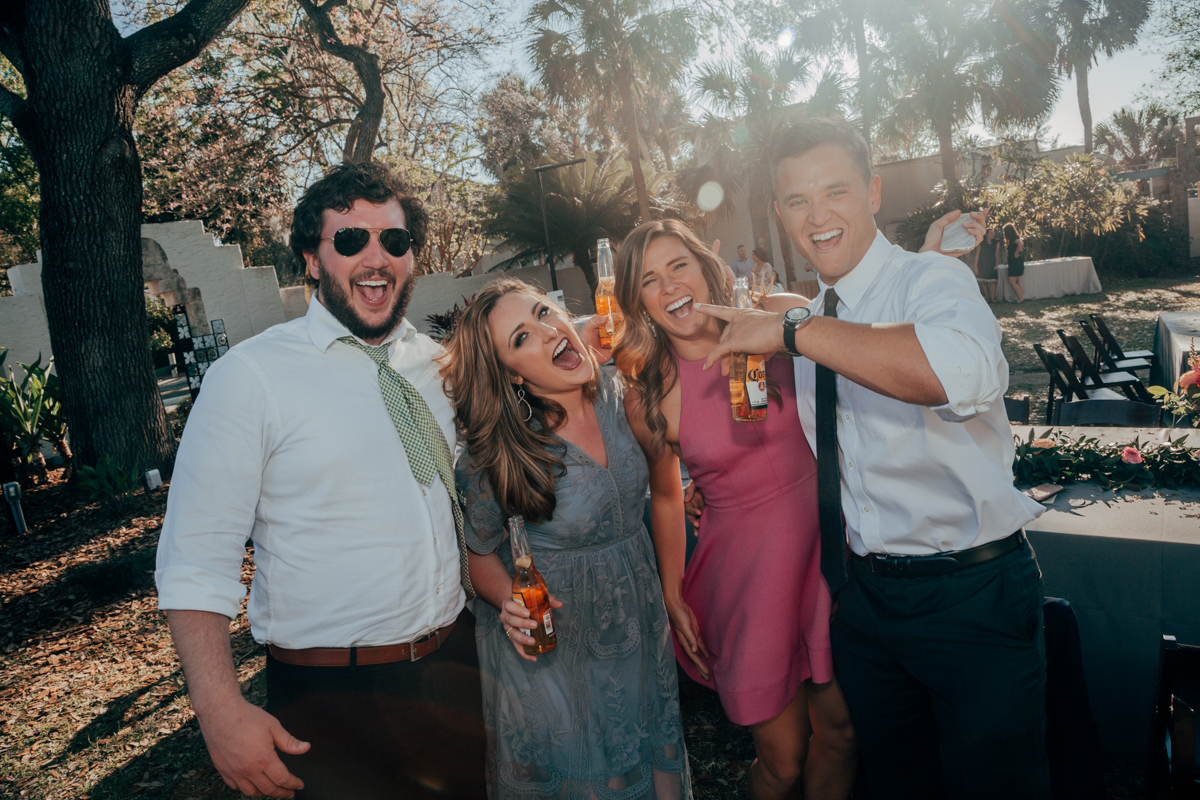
x: 84, y: 84
x: 785, y: 252
x: 364, y: 130
x: 760, y: 223
x: 1085, y: 103
x: 945, y: 137
x: 582, y: 257
x: 629, y: 111
x: 864, y: 69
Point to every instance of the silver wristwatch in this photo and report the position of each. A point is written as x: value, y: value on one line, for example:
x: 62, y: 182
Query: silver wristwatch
x: 793, y: 320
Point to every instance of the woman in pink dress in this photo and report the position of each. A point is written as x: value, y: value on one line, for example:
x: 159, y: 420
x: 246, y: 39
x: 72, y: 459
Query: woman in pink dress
x: 751, y: 613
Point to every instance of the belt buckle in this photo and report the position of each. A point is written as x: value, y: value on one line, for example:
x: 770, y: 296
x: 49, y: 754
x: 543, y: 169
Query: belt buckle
x: 412, y: 646
x: 893, y: 565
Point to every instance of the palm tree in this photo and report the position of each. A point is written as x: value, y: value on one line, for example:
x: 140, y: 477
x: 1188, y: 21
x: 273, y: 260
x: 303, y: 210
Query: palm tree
x: 607, y: 52
x: 948, y: 63
x: 753, y: 96
x: 1091, y: 27
x: 841, y: 26
x: 584, y: 202
x: 1138, y: 136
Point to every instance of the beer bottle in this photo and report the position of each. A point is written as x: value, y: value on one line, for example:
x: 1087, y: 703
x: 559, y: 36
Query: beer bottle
x: 747, y: 374
x: 529, y: 590
x: 606, y: 290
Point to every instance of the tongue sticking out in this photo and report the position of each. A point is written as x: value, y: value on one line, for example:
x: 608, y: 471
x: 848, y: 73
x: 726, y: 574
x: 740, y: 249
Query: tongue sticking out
x: 568, y: 358
x: 372, y: 294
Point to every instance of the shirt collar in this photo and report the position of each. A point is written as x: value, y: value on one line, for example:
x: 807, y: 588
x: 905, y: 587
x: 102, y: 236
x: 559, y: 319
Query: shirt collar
x: 324, y: 328
x: 852, y: 286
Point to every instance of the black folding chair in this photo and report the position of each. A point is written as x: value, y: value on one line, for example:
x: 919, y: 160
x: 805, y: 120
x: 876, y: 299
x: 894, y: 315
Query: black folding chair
x: 1017, y: 410
x: 1092, y: 378
x: 1104, y: 360
x: 1057, y: 382
x: 1120, y: 413
x: 1113, y: 347
x: 1178, y: 671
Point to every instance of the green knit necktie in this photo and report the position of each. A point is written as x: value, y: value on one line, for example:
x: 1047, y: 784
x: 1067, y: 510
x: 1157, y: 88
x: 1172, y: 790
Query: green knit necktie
x: 424, y: 443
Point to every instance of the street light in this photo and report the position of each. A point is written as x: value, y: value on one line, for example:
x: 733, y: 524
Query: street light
x: 545, y: 224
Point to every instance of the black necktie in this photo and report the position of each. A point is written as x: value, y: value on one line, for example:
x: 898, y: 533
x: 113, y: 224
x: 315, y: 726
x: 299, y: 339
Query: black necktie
x: 829, y: 473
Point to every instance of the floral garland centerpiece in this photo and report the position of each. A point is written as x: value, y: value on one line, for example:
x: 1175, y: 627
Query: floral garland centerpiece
x: 1185, y: 400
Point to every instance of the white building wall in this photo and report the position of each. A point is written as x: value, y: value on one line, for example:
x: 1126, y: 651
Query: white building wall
x: 1194, y: 225
x: 23, y: 330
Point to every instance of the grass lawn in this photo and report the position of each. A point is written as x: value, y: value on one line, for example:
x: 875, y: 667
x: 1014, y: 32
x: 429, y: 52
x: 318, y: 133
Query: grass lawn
x: 1130, y: 308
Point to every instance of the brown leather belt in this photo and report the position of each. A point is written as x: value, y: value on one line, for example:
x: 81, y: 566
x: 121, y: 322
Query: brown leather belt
x: 359, y: 656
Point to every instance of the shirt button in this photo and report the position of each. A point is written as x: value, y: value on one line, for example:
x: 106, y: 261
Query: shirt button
x: 850, y: 464
x: 847, y: 416
x: 437, y: 590
x: 424, y: 493
x: 867, y: 509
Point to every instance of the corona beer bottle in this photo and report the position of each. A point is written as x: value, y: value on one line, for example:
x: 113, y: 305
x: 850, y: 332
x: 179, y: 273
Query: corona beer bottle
x: 529, y: 590
x: 747, y: 373
x: 606, y: 290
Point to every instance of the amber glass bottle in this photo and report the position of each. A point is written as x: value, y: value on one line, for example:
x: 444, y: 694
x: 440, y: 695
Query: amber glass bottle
x: 606, y: 290
x: 529, y: 590
x: 747, y: 373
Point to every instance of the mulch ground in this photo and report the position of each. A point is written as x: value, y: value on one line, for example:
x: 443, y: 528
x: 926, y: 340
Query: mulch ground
x: 92, y: 700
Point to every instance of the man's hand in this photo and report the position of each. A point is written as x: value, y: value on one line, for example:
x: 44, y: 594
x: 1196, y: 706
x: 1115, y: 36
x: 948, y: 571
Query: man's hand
x: 748, y: 331
x: 976, y: 226
x: 241, y: 740
x: 693, y: 504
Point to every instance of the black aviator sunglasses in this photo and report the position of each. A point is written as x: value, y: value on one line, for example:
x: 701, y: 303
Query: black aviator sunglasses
x: 351, y: 241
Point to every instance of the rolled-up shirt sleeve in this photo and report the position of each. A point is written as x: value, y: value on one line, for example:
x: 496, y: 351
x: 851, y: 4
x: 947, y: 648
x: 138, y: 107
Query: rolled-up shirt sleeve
x: 214, y: 491
x: 960, y: 337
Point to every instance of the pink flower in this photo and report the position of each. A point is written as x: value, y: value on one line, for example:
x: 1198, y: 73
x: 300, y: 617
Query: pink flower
x: 1130, y: 455
x: 1191, y: 378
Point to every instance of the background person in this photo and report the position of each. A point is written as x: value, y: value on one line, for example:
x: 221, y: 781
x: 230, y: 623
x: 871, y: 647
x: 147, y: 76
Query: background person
x: 985, y: 264
x: 1015, y: 246
x: 547, y: 439
x: 742, y: 266
x: 763, y: 273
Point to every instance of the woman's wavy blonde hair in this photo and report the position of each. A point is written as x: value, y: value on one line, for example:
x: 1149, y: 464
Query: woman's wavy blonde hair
x: 643, y: 354
x: 521, y: 459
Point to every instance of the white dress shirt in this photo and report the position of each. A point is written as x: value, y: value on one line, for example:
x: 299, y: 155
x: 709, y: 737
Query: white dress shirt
x: 919, y: 480
x: 290, y: 445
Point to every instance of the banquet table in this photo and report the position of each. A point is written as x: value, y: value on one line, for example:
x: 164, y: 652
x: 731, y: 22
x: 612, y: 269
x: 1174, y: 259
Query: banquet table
x: 1129, y: 564
x: 1054, y: 277
x: 1172, y: 339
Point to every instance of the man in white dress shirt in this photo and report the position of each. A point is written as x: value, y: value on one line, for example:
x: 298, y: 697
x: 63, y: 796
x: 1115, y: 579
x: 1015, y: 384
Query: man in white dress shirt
x: 938, y: 631
x: 372, y: 679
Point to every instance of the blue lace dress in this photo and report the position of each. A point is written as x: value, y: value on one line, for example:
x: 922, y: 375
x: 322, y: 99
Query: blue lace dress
x: 598, y: 717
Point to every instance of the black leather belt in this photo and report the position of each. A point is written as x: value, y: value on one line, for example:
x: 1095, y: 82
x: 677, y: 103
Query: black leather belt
x: 892, y: 566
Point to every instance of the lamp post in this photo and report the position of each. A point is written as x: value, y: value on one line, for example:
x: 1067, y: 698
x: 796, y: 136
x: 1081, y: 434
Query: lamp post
x: 545, y: 224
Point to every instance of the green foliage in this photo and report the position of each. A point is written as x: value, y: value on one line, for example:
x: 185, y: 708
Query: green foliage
x: 110, y: 484
x: 1185, y: 400
x: 20, y: 199
x: 31, y: 410
x: 1050, y: 459
x: 179, y: 417
x: 1178, y: 29
x: 1067, y: 209
x: 443, y: 324
x: 160, y: 320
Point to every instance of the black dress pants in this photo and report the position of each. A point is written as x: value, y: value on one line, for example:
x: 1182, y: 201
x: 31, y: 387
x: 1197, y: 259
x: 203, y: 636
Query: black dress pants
x: 945, y: 679
x: 382, y: 731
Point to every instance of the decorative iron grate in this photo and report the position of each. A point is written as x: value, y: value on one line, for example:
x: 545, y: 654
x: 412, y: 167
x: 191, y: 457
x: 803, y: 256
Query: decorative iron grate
x: 197, y: 353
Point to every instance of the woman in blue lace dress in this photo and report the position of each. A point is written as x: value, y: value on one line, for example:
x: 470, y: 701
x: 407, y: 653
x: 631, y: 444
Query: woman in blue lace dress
x: 546, y: 438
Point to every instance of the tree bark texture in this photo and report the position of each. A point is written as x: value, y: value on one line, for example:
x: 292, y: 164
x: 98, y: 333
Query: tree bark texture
x: 1085, y: 102
x: 582, y: 257
x: 945, y: 136
x: 625, y: 87
x: 364, y: 130
x: 760, y: 221
x: 785, y: 253
x: 864, y: 69
x: 84, y: 85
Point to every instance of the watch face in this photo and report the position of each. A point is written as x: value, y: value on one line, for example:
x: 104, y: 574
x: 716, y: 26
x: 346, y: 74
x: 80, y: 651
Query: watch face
x: 797, y: 315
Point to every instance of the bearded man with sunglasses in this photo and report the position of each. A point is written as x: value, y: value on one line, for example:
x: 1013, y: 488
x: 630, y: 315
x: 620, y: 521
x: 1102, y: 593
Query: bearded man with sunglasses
x: 325, y: 441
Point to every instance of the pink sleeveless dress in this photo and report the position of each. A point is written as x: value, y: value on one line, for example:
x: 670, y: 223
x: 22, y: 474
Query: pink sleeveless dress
x: 754, y: 580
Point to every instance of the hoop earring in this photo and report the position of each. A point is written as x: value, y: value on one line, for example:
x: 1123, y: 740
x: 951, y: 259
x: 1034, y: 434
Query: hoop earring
x: 521, y: 399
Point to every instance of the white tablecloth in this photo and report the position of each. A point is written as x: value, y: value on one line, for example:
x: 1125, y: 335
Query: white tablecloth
x: 1172, y: 339
x: 1055, y: 277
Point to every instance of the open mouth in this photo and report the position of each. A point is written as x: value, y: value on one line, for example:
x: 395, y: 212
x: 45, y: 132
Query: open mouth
x: 681, y: 307
x: 373, y: 292
x: 826, y: 240
x: 565, y: 356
